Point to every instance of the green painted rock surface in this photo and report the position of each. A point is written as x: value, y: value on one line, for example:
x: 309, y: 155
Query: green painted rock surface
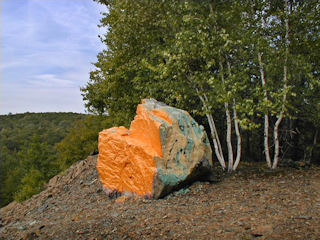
x: 186, y: 152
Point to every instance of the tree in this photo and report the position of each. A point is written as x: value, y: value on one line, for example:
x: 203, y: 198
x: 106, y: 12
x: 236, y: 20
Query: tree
x: 31, y: 184
x: 239, y: 57
x: 27, y: 148
x: 82, y: 140
x: 175, y: 44
x: 274, y: 33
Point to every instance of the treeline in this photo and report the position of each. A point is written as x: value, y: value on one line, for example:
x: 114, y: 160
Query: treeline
x: 247, y: 70
x: 36, y: 146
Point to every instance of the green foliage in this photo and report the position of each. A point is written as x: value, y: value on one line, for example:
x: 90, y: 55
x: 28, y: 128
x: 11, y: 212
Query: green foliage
x: 168, y: 49
x: 137, y: 34
x: 37, y: 146
x: 28, y: 154
x: 31, y: 184
x: 81, y: 140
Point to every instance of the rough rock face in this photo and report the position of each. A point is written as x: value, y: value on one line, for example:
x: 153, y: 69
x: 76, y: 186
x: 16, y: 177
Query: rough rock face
x: 163, y: 150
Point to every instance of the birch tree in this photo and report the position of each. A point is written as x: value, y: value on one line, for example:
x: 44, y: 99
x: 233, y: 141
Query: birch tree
x: 270, y: 22
x: 270, y: 28
x: 199, y: 57
x: 235, y: 65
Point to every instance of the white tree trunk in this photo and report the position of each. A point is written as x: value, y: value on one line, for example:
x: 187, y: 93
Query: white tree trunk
x: 285, y: 88
x: 236, y: 127
x: 213, y: 130
x: 229, y: 126
x: 215, y: 143
x: 266, y: 116
x: 266, y: 140
x: 276, y: 140
x: 228, y: 137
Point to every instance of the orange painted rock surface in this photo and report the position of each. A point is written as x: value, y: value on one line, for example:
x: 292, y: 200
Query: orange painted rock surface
x: 163, y: 150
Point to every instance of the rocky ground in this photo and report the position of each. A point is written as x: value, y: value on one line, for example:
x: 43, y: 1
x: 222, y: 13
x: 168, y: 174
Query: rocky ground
x: 252, y: 204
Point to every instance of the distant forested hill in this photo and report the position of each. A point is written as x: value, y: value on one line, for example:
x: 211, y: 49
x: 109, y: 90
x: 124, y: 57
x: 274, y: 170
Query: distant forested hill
x: 28, y: 153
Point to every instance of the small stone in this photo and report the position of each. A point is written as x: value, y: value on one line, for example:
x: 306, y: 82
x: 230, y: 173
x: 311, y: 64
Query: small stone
x: 30, y: 236
x: 114, y: 214
x: 41, y: 209
x: 33, y: 222
x: 262, y: 230
x: 81, y: 231
x: 53, y: 182
x: 247, y: 227
x: 65, y: 188
x: 21, y: 228
x: 121, y: 199
x: 305, y: 217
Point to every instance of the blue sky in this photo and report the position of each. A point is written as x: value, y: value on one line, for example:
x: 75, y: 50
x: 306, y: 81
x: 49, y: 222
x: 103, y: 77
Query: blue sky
x: 47, y: 48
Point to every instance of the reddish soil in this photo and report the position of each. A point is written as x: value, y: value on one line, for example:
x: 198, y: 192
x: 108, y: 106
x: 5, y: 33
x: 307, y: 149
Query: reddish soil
x: 252, y: 204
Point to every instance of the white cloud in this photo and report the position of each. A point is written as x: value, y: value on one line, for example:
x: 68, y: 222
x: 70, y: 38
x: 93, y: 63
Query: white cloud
x: 50, y: 81
x: 22, y: 99
x: 47, y: 48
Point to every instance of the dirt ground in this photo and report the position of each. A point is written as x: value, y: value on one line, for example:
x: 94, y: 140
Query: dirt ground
x: 252, y: 204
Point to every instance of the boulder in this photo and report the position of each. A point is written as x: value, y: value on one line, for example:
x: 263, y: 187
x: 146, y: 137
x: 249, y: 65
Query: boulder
x: 164, y: 150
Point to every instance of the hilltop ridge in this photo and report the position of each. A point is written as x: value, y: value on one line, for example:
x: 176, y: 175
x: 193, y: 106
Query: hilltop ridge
x: 276, y: 205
